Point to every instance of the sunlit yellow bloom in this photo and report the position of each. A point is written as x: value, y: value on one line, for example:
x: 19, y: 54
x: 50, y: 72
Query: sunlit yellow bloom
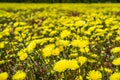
x: 73, y: 64
x: 31, y: 46
x: 19, y: 75
x: 84, y: 50
x: 80, y: 43
x: 56, y: 51
x: 65, y: 33
x: 82, y: 60
x: 79, y: 23
x: 53, y: 33
x: 61, y: 65
x: 117, y: 38
x: 22, y: 54
x: 3, y: 76
x: 61, y: 48
x: 62, y: 42
x: 94, y: 55
x: 79, y: 78
x: 1, y: 44
x: 116, y: 61
x: 106, y: 70
x: 115, y: 50
x: 47, y: 51
x: 115, y: 76
x: 94, y: 75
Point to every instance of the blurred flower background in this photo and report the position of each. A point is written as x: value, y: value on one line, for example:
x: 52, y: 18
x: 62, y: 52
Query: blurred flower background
x: 60, y: 41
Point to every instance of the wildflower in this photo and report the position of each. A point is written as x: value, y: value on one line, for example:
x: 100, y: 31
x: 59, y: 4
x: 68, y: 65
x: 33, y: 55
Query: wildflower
x: 117, y: 38
x: 115, y: 50
x: 83, y: 43
x: 116, y: 61
x: 80, y: 43
x: 79, y: 23
x: 65, y: 33
x: 47, y: 51
x: 31, y: 46
x: 73, y: 54
x: 22, y: 54
x: 115, y: 76
x: 79, y: 78
x: 94, y: 55
x: 60, y: 48
x: 3, y: 76
x: 62, y: 42
x: 73, y: 64
x: 82, y: 60
x: 56, y: 51
x: 106, y: 69
x: 84, y: 50
x: 53, y: 33
x: 94, y: 75
x: 75, y: 43
x: 19, y: 75
x: 1, y: 44
x: 61, y: 65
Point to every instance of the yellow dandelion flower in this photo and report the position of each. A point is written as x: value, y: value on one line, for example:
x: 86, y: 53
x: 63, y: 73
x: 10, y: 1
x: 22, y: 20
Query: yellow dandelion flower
x: 83, y: 43
x: 31, y: 46
x: 79, y: 78
x: 81, y: 60
x: 61, y: 48
x: 65, y: 33
x: 116, y: 61
x: 47, y: 51
x: 3, y: 76
x: 115, y: 76
x: 1, y: 44
x: 62, y: 42
x: 61, y: 65
x: 56, y: 51
x: 106, y: 69
x: 79, y: 23
x: 94, y: 55
x: 19, y: 75
x: 84, y: 50
x: 22, y: 54
x: 115, y: 50
x: 117, y: 38
x: 73, y: 64
x: 94, y: 75
x: 80, y: 43
x: 75, y: 43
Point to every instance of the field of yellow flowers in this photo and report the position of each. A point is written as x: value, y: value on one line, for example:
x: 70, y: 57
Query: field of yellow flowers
x: 59, y: 41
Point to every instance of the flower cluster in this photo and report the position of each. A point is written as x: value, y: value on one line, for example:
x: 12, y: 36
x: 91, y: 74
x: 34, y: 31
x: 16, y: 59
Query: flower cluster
x: 59, y: 41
